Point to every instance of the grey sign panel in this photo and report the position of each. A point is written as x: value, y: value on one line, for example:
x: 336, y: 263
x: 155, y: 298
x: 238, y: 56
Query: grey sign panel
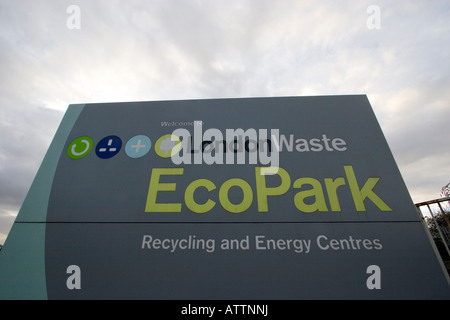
x: 308, y: 127
x: 243, y: 261
x: 259, y: 198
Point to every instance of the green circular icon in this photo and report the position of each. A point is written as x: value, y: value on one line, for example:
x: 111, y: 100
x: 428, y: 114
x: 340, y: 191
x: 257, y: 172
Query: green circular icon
x: 167, y: 146
x: 80, y: 147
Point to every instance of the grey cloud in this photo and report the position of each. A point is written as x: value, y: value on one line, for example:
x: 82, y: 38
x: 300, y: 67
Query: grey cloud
x: 23, y: 144
x: 151, y: 50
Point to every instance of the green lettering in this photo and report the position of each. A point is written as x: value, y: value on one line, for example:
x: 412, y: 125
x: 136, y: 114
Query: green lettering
x: 189, y: 196
x: 225, y: 201
x: 155, y: 186
x: 332, y: 186
x: 359, y: 195
x: 262, y: 191
x: 316, y: 191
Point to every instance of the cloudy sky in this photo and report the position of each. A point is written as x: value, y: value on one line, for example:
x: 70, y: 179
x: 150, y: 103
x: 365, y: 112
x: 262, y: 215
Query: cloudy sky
x: 53, y: 54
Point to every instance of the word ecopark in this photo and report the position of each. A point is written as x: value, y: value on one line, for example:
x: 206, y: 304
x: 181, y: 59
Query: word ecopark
x: 263, y: 191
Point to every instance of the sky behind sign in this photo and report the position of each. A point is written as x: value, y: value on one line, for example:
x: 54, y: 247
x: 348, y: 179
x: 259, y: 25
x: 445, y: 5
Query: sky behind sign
x: 54, y: 53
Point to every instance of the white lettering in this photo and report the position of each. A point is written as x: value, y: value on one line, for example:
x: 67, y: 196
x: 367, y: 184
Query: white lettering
x: 74, y: 20
x: 374, y: 280
x: 297, y: 245
x: 74, y: 280
x: 189, y: 243
x: 349, y: 243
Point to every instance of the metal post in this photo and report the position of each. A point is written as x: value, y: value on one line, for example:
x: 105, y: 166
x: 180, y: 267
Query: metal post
x: 439, y: 230
x: 443, y: 214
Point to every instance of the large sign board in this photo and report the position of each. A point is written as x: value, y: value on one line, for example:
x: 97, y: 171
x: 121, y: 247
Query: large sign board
x: 258, y: 198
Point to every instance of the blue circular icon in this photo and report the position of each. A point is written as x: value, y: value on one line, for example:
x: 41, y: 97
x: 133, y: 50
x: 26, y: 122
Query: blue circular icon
x: 138, y: 146
x: 108, y: 147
